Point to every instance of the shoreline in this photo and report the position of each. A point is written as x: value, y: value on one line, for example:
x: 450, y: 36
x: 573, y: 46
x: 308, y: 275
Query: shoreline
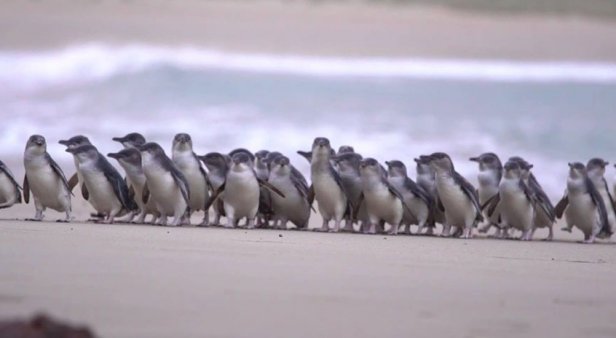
x: 300, y: 28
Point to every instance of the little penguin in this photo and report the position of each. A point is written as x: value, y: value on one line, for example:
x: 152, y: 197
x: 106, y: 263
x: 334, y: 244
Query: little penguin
x: 130, y: 160
x: 489, y: 177
x: 329, y: 192
x: 456, y: 196
x: 10, y: 190
x: 383, y: 201
x: 416, y: 198
x: 108, y: 191
x: 45, y: 180
x: 583, y: 205
x: 165, y: 184
x: 295, y: 206
x: 241, y: 191
x: 186, y: 160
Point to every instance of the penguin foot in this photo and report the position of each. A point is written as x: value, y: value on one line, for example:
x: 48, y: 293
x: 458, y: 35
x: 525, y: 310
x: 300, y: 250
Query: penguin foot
x: 33, y: 219
x: 566, y: 229
x: 548, y: 239
x: 62, y: 221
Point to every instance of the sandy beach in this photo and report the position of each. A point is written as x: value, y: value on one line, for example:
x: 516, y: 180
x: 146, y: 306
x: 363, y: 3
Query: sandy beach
x: 309, y: 28
x: 147, y: 281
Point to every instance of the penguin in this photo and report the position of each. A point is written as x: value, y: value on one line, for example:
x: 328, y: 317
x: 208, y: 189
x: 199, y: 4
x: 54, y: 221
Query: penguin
x: 295, y: 206
x: 165, y: 184
x: 217, y: 165
x: 45, y: 179
x: 130, y: 160
x: 544, y: 209
x: 108, y: 191
x: 425, y: 178
x: 241, y: 191
x: 131, y: 140
x: 583, y: 205
x: 74, y: 142
x: 10, y: 190
x: 329, y: 192
x: 348, y: 169
x: 266, y: 212
x: 187, y: 162
x: 489, y: 177
x: 516, y: 201
x: 383, y: 201
x: 595, y: 169
x: 415, y: 197
x: 457, y: 197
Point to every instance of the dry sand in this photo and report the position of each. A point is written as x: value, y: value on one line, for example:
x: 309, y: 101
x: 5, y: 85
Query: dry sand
x: 306, y: 27
x: 148, y: 281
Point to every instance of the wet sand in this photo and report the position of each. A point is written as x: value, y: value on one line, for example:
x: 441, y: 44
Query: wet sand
x: 149, y: 281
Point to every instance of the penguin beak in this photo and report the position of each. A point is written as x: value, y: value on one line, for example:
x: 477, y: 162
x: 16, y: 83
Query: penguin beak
x: 71, y: 150
x: 114, y: 155
x: 64, y: 142
x: 570, y: 165
x: 474, y: 159
x: 118, y: 139
x: 605, y: 163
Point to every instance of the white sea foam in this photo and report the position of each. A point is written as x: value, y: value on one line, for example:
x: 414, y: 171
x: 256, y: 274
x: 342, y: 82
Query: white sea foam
x: 98, y: 61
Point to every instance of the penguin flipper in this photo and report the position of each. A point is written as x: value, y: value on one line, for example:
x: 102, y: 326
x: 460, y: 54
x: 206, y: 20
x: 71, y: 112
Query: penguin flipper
x: 310, y: 196
x: 493, y: 204
x: 600, y: 204
x: 611, y: 202
x: 56, y: 168
x: 26, y: 186
x: 488, y: 201
x: 395, y: 192
x: 270, y: 187
x: 560, y: 207
x: 118, y: 184
x: 469, y: 191
x: 72, y: 182
x: 84, y: 192
x: 214, y: 196
x: 306, y: 154
x: 145, y: 194
x: 360, y: 200
x: 439, y: 204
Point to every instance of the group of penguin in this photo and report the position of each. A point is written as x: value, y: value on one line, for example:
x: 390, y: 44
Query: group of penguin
x: 268, y: 191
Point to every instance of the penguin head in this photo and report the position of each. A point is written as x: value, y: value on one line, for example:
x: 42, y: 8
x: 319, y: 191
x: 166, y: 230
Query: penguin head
x: 441, y: 162
x: 281, y: 165
x: 244, y: 151
x: 150, y: 150
x: 75, y: 141
x: 131, y: 140
x: 344, y: 149
x: 596, y: 167
x: 577, y: 170
x: 513, y: 169
x: 488, y: 161
x: 396, y: 168
x: 215, y: 161
x: 525, y: 167
x: 241, y: 161
x: 130, y: 156
x: 348, y: 162
x: 271, y: 158
x: 84, y: 153
x: 321, y: 148
x: 423, y: 165
x: 370, y: 166
x: 182, y: 141
x: 36, y: 143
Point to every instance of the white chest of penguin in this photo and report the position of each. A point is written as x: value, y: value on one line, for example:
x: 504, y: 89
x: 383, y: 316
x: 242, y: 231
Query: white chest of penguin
x: 102, y: 196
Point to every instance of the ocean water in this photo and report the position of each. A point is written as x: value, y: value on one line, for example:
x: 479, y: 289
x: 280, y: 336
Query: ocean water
x: 549, y: 113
